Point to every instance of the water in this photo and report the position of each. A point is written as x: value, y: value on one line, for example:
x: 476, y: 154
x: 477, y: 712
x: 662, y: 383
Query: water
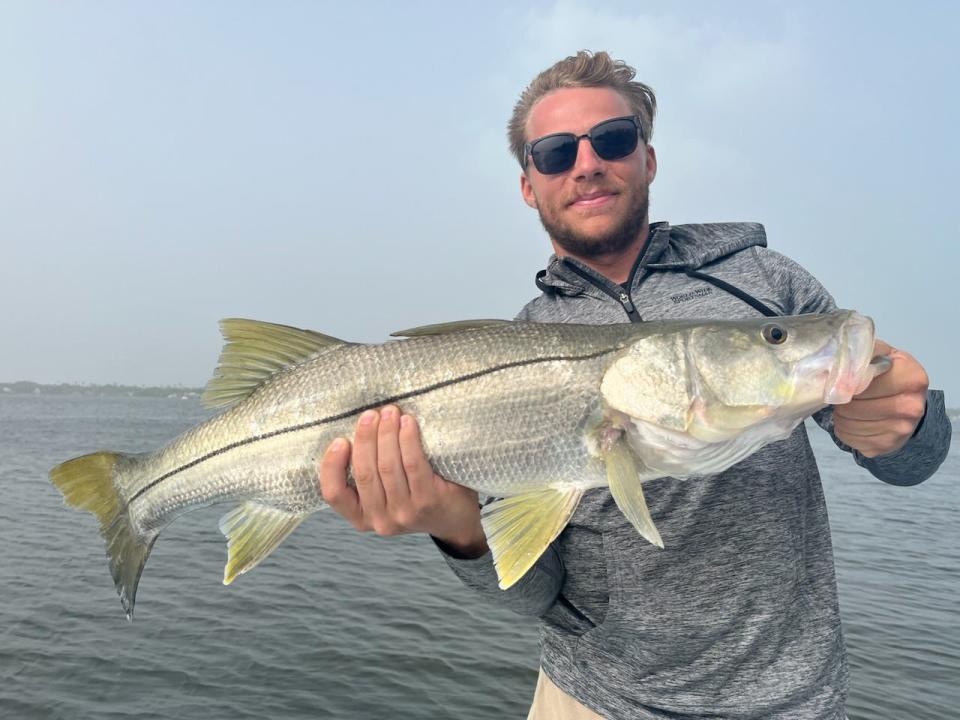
x: 341, y: 625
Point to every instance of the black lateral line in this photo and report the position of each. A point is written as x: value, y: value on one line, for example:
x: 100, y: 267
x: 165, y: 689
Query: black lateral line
x: 340, y: 416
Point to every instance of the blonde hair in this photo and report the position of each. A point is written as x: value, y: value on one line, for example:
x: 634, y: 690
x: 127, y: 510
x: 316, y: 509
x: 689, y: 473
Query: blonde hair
x: 585, y: 69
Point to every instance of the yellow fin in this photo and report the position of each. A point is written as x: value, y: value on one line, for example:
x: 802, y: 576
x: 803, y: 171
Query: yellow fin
x: 89, y: 483
x: 253, y: 531
x: 449, y: 327
x: 520, y: 528
x: 254, y: 352
x: 624, y: 481
x: 86, y: 483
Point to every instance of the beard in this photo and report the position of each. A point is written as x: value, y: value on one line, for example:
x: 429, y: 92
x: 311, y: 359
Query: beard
x: 616, y: 240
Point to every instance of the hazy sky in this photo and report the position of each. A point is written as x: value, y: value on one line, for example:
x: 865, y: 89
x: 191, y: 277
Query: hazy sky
x: 342, y: 166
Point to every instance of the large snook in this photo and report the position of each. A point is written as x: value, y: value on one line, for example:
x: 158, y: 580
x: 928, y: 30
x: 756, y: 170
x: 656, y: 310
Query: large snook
x: 534, y: 414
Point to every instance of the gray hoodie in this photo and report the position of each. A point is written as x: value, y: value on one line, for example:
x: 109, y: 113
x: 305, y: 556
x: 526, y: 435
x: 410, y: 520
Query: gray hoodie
x: 737, y: 617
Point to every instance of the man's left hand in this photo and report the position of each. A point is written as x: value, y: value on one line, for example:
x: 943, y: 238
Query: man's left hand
x: 882, y: 418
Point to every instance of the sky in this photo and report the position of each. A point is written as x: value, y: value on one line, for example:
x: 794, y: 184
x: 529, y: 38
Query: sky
x: 343, y: 166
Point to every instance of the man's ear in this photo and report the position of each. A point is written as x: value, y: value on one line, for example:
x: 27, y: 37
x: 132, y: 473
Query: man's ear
x: 526, y: 189
x: 651, y: 163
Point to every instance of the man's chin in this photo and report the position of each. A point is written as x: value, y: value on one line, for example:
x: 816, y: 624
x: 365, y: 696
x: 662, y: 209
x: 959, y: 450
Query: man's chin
x: 593, y: 246
x: 599, y: 235
x: 593, y: 239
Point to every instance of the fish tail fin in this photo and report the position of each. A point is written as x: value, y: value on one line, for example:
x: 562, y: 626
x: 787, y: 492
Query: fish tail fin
x: 90, y: 483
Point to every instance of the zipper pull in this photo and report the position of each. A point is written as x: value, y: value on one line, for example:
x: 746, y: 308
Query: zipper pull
x: 625, y: 301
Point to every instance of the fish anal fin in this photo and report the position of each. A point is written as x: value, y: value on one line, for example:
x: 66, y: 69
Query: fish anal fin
x: 254, y: 352
x: 253, y: 531
x: 520, y: 528
x: 627, y: 491
x: 449, y: 327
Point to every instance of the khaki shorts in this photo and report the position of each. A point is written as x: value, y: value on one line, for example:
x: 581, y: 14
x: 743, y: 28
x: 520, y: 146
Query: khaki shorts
x: 552, y: 703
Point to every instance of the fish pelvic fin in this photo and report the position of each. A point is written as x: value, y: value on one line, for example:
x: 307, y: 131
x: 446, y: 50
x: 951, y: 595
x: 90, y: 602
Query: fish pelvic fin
x: 88, y: 483
x: 254, y: 352
x: 627, y: 491
x: 520, y: 528
x: 253, y: 531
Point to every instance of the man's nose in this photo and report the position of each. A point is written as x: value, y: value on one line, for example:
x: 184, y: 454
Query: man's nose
x: 588, y: 163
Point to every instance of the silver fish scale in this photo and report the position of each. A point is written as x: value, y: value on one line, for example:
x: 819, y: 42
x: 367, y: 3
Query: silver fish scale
x: 502, y: 410
x: 531, y: 440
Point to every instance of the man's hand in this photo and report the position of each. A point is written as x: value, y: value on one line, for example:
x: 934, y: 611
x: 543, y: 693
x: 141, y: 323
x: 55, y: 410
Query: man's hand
x: 396, y: 490
x: 883, y: 417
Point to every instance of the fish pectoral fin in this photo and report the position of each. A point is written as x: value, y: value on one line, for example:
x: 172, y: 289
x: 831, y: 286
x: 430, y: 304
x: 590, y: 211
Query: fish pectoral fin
x: 254, y: 531
x: 448, y: 327
x: 520, y: 528
x: 627, y: 491
x: 254, y: 352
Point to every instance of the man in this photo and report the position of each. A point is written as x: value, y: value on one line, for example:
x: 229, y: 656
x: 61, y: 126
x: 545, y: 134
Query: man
x: 737, y: 617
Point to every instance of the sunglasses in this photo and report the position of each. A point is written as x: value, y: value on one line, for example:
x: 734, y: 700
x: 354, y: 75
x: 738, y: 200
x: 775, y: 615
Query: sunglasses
x: 611, y: 140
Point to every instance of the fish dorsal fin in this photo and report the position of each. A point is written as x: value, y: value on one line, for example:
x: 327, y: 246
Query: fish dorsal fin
x: 520, y: 528
x: 624, y: 481
x: 253, y: 531
x: 254, y: 352
x: 449, y: 327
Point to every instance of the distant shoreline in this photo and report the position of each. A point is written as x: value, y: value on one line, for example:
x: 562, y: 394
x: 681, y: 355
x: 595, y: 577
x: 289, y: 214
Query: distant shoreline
x: 25, y: 387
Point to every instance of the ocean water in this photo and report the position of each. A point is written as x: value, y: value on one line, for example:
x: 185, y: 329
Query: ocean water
x: 341, y: 625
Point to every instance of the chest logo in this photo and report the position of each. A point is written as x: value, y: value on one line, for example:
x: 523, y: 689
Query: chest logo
x: 692, y: 295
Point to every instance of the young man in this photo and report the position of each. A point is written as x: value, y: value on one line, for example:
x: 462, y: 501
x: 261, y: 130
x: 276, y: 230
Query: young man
x: 737, y: 617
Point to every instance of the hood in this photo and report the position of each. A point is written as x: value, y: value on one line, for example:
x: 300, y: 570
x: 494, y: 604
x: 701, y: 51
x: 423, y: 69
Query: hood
x: 669, y: 248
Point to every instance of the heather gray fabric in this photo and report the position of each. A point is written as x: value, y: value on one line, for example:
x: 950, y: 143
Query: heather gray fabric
x: 737, y: 617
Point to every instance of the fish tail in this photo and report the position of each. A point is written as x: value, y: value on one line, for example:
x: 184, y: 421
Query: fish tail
x: 90, y: 483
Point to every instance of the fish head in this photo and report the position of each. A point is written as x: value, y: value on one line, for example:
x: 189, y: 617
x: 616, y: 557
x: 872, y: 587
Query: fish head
x: 710, y: 382
x: 779, y: 368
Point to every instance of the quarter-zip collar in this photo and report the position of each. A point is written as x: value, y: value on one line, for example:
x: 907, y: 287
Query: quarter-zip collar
x: 569, y: 276
x: 676, y: 248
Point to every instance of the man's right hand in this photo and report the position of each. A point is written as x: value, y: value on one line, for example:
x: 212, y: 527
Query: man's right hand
x: 396, y: 490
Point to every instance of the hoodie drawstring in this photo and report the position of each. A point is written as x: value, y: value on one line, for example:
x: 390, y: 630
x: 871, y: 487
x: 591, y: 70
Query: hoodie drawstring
x: 735, y: 291
x: 623, y: 297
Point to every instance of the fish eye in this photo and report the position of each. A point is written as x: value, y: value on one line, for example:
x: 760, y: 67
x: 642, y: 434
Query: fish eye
x: 773, y: 333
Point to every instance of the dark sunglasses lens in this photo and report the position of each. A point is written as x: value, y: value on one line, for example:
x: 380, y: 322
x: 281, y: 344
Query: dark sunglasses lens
x: 615, y: 139
x: 555, y: 154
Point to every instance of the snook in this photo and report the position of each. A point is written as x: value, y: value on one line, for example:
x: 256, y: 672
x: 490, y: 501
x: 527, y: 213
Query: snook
x: 534, y: 414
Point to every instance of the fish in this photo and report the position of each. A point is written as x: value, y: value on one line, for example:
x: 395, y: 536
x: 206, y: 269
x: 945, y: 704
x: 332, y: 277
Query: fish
x: 530, y: 415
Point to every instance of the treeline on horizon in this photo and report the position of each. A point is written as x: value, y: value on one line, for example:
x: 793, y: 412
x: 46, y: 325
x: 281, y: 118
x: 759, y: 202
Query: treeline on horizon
x: 25, y: 387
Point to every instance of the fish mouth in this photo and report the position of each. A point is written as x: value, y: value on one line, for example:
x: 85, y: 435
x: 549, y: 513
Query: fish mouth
x: 855, y: 365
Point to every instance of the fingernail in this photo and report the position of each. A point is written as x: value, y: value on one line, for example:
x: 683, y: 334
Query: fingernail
x: 337, y: 445
x: 405, y: 420
x: 368, y: 417
x: 388, y: 413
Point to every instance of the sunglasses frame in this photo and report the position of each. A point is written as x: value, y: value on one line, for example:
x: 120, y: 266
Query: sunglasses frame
x: 528, y: 147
